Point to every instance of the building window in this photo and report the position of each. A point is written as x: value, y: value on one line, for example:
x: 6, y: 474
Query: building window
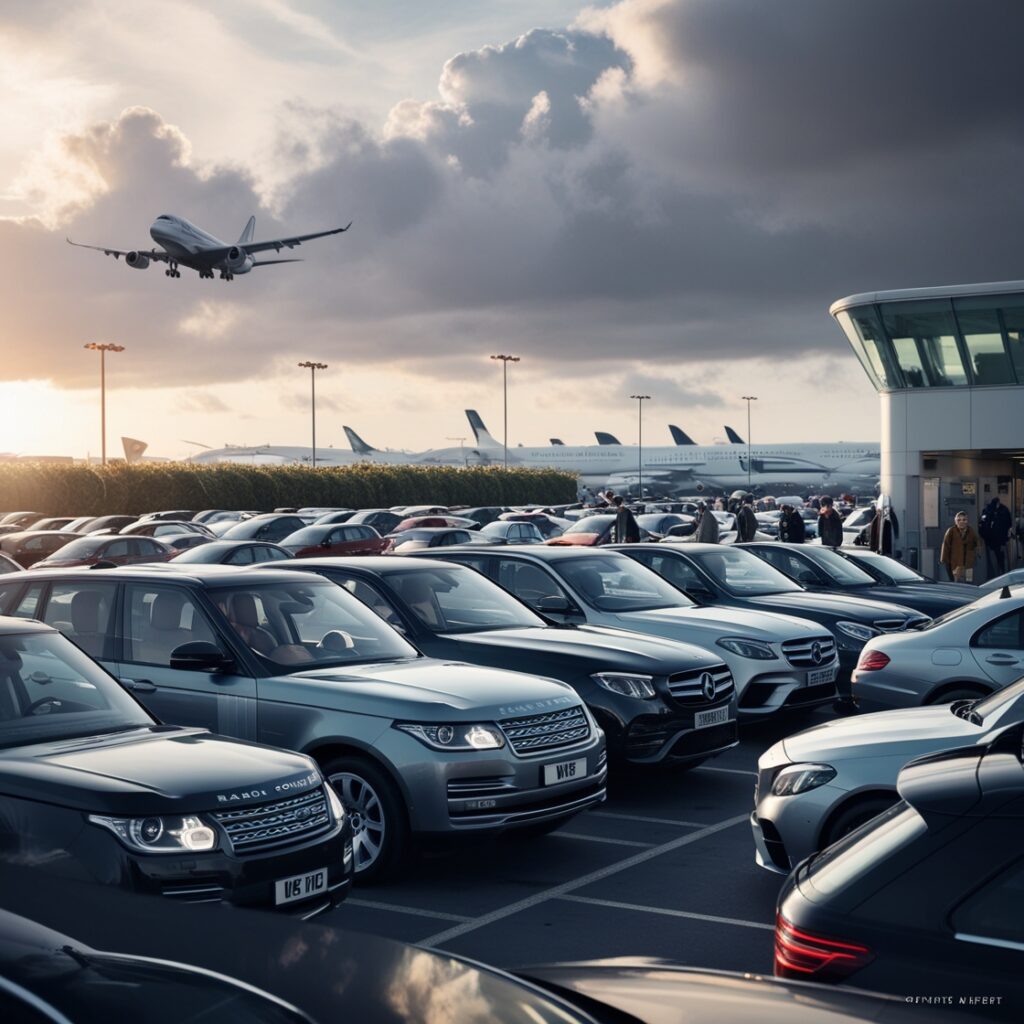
x: 990, y: 362
x: 923, y: 336
x: 865, y: 333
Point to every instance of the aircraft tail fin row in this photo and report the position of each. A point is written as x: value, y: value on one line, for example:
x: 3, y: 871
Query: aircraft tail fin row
x: 359, y: 446
x: 734, y: 438
x: 480, y: 432
x: 246, y: 235
x: 605, y: 438
x: 680, y: 436
x: 557, y: 440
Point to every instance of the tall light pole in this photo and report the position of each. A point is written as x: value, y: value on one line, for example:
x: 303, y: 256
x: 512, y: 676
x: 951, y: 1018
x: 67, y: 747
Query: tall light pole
x: 313, y: 367
x: 748, y: 399
x: 103, y: 349
x: 505, y: 360
x: 640, y: 399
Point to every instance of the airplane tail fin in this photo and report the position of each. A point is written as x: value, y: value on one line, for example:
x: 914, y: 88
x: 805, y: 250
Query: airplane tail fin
x: 246, y: 235
x: 557, y: 440
x: 359, y: 446
x: 480, y: 432
x: 133, y: 449
x: 734, y: 438
x: 605, y: 438
x: 680, y: 436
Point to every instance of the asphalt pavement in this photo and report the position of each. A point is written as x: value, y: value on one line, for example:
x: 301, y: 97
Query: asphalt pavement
x: 665, y: 868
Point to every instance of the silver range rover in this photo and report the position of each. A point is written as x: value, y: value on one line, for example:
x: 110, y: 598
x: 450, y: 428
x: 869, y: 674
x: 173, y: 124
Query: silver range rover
x: 414, y: 746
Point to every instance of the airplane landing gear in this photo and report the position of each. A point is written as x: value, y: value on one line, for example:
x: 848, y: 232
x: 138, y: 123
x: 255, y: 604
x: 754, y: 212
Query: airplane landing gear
x: 172, y: 271
x: 226, y: 275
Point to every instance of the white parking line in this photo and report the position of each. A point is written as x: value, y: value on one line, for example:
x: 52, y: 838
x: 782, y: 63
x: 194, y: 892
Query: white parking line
x: 603, y: 839
x: 728, y: 771
x: 595, y: 876
x: 375, y: 905
x: 615, y: 905
x: 650, y: 821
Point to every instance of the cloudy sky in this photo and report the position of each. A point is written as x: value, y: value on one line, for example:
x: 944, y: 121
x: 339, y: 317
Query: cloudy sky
x: 644, y: 195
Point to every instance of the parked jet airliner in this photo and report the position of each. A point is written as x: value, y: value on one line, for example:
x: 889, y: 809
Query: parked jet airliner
x: 183, y: 243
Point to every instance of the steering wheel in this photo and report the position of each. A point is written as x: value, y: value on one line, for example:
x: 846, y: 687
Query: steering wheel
x: 336, y: 640
x: 37, y: 706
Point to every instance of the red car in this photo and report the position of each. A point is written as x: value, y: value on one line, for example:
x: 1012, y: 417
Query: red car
x: 334, y: 539
x: 109, y: 548
x: 27, y: 547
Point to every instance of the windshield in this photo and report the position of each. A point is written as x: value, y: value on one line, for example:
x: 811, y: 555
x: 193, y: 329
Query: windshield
x: 896, y: 571
x: 842, y: 572
x: 591, y: 524
x: 615, y: 583
x: 81, y: 548
x: 460, y: 601
x: 294, y: 626
x: 50, y: 690
x: 743, y: 574
x: 310, y: 535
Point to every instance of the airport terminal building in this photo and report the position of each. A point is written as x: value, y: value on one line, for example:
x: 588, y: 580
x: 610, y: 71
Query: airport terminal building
x: 948, y: 365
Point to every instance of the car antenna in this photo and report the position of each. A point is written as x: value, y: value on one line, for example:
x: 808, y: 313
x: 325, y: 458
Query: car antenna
x: 1005, y: 592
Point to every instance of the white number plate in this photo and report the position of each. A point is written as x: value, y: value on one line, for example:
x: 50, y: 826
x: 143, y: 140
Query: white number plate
x: 300, y: 887
x: 822, y: 675
x: 566, y: 771
x: 714, y: 717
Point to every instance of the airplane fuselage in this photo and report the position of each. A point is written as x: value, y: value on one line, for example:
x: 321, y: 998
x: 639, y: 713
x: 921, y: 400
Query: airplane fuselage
x: 188, y: 244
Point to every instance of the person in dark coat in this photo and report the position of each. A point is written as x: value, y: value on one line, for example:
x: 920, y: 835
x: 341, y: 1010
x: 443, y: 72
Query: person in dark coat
x: 830, y: 526
x: 627, y: 530
x: 994, y: 528
x: 707, y: 526
x: 746, y: 521
x: 791, y: 526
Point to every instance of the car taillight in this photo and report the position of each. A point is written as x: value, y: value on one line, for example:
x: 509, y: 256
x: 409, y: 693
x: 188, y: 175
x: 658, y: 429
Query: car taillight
x: 872, y: 661
x: 799, y: 954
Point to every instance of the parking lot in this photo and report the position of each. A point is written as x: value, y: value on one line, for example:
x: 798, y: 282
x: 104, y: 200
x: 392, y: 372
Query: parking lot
x: 665, y: 868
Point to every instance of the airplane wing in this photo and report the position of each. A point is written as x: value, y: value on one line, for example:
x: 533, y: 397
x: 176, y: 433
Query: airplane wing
x: 286, y: 243
x: 152, y: 254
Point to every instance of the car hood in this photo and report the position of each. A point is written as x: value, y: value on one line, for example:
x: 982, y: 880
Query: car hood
x: 427, y: 689
x: 604, y: 646
x: 859, y: 609
x: 909, y: 731
x: 936, y: 599
x: 716, y: 622
x: 163, y: 769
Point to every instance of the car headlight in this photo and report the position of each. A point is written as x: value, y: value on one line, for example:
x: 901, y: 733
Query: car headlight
x: 857, y: 630
x: 337, y: 810
x: 472, y: 736
x: 799, y: 778
x: 628, y: 684
x: 172, y: 833
x: 747, y: 648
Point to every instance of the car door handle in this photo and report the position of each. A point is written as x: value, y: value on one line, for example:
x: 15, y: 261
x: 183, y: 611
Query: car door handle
x: 1001, y: 659
x: 139, y: 685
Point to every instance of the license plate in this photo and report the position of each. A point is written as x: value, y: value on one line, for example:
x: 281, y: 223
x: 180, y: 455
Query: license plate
x: 822, y: 675
x: 716, y: 716
x: 565, y: 771
x: 300, y: 887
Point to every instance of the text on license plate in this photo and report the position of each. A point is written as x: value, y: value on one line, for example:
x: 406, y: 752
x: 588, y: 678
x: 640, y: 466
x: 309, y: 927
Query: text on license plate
x: 565, y: 771
x: 300, y: 887
x: 822, y: 675
x: 716, y: 716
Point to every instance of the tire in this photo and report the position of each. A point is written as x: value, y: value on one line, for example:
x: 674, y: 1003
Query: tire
x: 965, y: 692
x: 377, y: 814
x: 853, y: 816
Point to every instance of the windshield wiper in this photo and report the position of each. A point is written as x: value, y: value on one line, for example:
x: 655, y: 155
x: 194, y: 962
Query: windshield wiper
x: 965, y: 709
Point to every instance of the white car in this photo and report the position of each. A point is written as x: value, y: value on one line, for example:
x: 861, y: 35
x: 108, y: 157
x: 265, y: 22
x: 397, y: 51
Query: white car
x: 968, y: 652
x: 819, y: 785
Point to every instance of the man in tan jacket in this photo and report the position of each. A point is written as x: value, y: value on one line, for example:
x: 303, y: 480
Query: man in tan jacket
x: 959, y: 550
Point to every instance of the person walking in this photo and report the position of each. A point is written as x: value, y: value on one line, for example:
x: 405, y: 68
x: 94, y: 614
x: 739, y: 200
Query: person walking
x: 959, y: 550
x: 707, y: 526
x: 830, y: 526
x: 791, y: 526
x: 746, y: 521
x: 995, y: 527
x: 627, y: 530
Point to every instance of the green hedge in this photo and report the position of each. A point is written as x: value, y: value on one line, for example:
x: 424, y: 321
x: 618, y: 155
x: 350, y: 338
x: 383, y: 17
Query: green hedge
x: 62, y: 489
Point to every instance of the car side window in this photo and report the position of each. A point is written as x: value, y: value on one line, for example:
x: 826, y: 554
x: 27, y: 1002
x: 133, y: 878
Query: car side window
x: 269, y: 555
x: 243, y: 556
x: 83, y: 612
x: 1004, y: 632
x: 116, y: 549
x: 27, y: 607
x: 995, y: 912
x: 787, y: 563
x: 160, y: 619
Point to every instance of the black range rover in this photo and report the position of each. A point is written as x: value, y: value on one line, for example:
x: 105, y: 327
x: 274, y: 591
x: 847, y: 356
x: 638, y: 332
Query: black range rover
x: 92, y: 787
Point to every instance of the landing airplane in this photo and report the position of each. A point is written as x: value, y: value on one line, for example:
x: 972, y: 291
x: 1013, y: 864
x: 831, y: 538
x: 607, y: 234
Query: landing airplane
x: 183, y: 243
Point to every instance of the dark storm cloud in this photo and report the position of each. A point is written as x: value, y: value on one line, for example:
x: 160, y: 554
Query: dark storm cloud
x: 665, y: 182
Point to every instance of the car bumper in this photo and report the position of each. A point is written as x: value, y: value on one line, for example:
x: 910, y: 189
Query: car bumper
x: 767, y: 693
x: 674, y: 738
x: 876, y: 691
x: 786, y: 828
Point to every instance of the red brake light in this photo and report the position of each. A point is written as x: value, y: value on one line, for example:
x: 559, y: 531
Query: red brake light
x: 799, y: 954
x: 872, y: 661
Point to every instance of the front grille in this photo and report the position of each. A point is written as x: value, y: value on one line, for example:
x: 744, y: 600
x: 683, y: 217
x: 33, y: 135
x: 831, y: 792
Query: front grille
x: 266, y: 826
x: 809, y: 652
x: 688, y: 687
x: 465, y: 789
x: 548, y: 731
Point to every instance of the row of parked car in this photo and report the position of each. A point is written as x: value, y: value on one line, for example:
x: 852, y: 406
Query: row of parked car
x: 408, y: 699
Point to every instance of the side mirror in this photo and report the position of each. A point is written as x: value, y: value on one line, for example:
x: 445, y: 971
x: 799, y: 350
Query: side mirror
x: 556, y: 603
x: 200, y: 656
x: 699, y: 594
x: 807, y: 578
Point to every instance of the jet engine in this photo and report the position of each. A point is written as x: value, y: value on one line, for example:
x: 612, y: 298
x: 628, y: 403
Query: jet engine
x: 137, y: 260
x: 238, y: 261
